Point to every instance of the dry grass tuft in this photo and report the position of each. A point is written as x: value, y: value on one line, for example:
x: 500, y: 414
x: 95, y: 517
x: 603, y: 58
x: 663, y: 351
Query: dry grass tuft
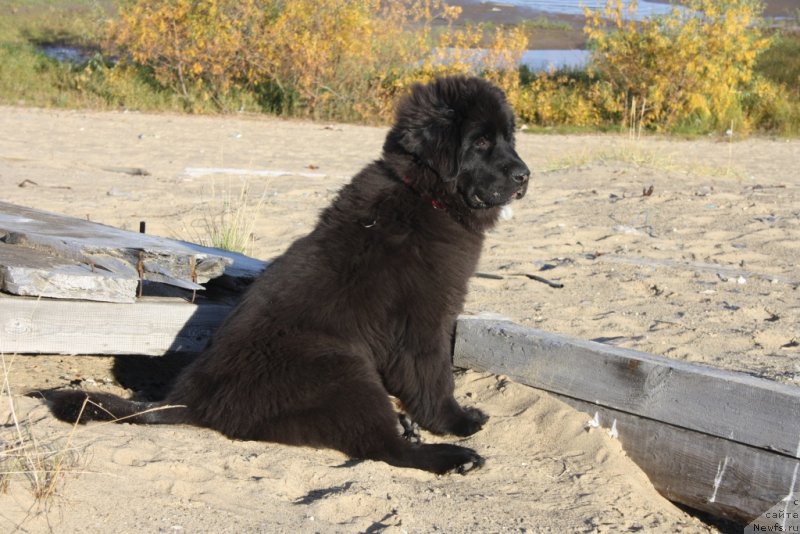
x: 42, y: 462
x: 227, y: 220
x: 629, y: 153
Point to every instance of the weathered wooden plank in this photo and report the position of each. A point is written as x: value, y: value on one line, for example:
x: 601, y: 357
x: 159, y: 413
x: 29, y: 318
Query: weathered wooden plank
x: 733, y: 406
x: 150, y: 327
x: 716, y: 475
x: 29, y: 272
x: 101, y: 245
x: 99, y: 248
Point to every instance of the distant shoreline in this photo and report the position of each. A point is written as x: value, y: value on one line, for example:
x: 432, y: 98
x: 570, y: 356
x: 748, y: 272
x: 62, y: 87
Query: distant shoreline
x: 772, y: 8
x: 561, y: 39
x: 539, y: 38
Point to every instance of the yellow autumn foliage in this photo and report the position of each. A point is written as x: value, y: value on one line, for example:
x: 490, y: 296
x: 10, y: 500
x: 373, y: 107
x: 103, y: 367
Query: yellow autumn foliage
x: 321, y: 58
x: 689, y: 70
x: 692, y: 64
x: 552, y: 99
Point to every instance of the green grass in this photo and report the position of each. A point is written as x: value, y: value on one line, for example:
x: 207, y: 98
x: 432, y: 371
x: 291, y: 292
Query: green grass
x: 28, y: 77
x: 781, y: 62
x: 530, y: 26
x: 73, y: 21
x: 571, y: 129
x: 545, y: 23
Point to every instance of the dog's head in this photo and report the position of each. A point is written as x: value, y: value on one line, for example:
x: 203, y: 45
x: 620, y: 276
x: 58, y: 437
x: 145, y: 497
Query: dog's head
x: 463, y: 130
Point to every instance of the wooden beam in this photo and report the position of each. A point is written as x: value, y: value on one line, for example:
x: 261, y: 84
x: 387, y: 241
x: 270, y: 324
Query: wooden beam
x: 152, y: 326
x: 715, y: 440
x: 716, y: 475
x: 733, y: 406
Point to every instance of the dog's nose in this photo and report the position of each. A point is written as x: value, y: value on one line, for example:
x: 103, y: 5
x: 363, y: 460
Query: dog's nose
x: 520, y: 174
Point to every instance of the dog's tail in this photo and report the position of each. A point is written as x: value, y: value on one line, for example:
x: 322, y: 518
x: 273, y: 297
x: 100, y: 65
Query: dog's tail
x: 75, y: 406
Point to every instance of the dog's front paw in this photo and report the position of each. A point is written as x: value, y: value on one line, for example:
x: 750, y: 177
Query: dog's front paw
x: 475, y: 461
x: 472, y: 420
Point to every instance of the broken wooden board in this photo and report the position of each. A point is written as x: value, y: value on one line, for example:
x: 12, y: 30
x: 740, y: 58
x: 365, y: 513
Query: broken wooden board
x: 153, y: 326
x: 45, y: 254
x: 31, y: 272
x: 675, y: 416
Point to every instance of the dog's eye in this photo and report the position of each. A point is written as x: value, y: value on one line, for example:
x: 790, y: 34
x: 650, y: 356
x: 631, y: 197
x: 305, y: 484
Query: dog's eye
x: 482, y: 143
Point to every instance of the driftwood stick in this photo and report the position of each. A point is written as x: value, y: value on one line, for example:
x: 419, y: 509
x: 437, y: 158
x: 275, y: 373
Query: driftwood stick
x: 556, y: 285
x: 537, y: 278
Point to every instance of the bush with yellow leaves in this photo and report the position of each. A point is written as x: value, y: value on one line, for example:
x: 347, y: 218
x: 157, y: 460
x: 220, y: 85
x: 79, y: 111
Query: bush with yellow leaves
x: 691, y: 70
x: 692, y: 65
x: 554, y: 99
x: 318, y: 58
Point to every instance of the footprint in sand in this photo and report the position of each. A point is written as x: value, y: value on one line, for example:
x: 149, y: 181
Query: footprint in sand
x: 137, y: 455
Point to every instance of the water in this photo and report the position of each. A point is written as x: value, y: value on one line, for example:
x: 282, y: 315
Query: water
x: 575, y: 7
x: 66, y: 53
x: 538, y: 60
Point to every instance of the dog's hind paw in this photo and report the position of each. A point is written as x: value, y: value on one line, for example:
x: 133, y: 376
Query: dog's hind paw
x: 410, y: 429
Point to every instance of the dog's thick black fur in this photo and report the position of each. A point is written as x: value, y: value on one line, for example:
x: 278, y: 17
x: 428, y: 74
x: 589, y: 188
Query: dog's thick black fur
x: 365, y: 305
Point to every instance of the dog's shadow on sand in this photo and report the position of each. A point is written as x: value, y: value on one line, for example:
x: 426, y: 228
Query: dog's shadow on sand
x: 150, y: 377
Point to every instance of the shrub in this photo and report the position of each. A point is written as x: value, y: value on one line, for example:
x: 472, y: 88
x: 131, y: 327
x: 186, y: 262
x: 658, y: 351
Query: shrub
x: 553, y: 99
x: 772, y: 107
x: 690, y: 65
x: 774, y: 100
x: 195, y: 48
x: 318, y: 58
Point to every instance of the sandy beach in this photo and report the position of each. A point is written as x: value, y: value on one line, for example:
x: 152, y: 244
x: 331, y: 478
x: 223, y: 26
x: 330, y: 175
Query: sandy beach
x: 686, y: 249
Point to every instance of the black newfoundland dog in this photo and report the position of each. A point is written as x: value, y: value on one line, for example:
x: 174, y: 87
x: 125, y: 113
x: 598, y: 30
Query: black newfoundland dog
x: 365, y: 305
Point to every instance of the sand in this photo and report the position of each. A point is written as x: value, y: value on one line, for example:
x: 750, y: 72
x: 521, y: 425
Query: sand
x: 703, y: 269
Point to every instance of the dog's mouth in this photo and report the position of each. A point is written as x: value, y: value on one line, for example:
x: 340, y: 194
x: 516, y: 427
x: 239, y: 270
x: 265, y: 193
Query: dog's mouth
x: 477, y: 202
x: 495, y: 198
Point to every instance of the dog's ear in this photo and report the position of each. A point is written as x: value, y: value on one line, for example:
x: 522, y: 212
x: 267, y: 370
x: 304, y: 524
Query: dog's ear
x: 429, y: 129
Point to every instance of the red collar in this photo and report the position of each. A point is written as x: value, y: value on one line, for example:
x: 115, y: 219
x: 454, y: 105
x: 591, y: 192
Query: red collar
x: 435, y: 203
